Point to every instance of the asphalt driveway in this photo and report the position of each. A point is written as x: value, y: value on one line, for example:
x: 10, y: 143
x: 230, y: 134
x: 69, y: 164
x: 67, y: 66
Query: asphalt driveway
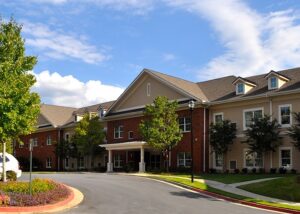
x: 120, y: 194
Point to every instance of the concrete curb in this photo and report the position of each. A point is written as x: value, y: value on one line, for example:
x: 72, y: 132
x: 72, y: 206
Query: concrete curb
x: 74, y: 199
x: 232, y: 200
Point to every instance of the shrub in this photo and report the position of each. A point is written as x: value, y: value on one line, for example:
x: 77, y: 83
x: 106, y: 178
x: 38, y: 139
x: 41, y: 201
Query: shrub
x: 298, y: 179
x: 11, y: 176
x: 212, y: 171
x: 293, y: 171
x: 253, y: 170
x: 273, y: 170
x: 282, y: 170
x: 236, y: 171
x: 261, y: 170
x: 245, y: 170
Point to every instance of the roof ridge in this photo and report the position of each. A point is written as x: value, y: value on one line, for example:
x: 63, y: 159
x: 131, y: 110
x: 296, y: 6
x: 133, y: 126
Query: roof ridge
x: 45, y: 104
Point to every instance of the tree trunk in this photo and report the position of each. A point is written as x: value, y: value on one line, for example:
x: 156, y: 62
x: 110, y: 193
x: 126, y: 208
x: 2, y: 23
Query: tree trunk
x: 4, y: 162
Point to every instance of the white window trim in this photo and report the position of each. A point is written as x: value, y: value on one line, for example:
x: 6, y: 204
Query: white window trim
x: 129, y: 135
x: 214, y: 162
x: 279, y: 115
x: 217, y: 114
x: 247, y: 110
x: 184, y: 158
x: 49, y: 166
x: 119, y: 161
x: 270, y: 85
x: 47, y: 142
x: 286, y: 148
x: 184, y: 124
x: 237, y: 88
x: 249, y: 167
x: 119, y: 132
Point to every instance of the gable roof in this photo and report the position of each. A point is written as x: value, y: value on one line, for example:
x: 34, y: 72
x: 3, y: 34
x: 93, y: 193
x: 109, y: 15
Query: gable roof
x: 57, y: 115
x: 278, y: 75
x: 93, y: 108
x: 244, y: 80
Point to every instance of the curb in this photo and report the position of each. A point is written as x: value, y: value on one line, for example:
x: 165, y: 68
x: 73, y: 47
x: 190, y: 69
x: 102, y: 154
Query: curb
x: 75, y: 198
x: 232, y: 200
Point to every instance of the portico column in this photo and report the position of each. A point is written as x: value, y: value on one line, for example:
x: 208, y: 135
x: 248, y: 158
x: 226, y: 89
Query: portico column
x: 109, y: 164
x: 142, y: 161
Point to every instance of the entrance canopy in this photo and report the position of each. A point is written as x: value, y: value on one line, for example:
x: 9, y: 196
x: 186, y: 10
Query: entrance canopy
x: 126, y: 145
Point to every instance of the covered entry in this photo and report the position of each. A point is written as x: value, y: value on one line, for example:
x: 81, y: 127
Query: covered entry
x: 137, y: 152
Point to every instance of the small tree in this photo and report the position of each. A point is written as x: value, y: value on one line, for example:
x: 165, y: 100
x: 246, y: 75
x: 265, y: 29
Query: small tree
x: 161, y: 128
x: 263, y: 135
x: 19, y: 107
x: 294, y: 131
x: 88, y: 135
x: 222, y: 135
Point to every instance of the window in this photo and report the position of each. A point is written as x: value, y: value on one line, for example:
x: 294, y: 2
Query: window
x: 148, y: 89
x: 34, y: 142
x: 218, y: 117
x: 232, y: 164
x: 285, y: 157
x: 240, y: 88
x: 184, y: 159
x: 273, y: 83
x: 130, y: 135
x: 67, y: 137
x: 250, y: 115
x: 218, y: 160
x: 252, y: 159
x: 67, y: 162
x: 48, y: 141
x: 185, y: 124
x: 81, y: 162
x: 118, y: 132
x: 285, y: 117
x: 155, y: 161
x: 48, y: 163
x: 118, y: 162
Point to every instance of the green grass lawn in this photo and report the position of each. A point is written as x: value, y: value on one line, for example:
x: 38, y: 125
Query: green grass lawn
x: 286, y: 188
x: 231, y: 178
x: 203, y: 186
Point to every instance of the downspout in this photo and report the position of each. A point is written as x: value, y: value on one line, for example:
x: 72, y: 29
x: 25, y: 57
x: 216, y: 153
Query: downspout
x: 58, y: 158
x: 204, y: 139
x: 271, y: 119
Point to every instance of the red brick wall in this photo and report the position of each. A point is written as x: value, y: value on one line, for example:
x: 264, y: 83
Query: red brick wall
x: 42, y: 151
x: 184, y: 145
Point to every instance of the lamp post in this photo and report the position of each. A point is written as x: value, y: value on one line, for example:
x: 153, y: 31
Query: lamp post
x: 191, y: 107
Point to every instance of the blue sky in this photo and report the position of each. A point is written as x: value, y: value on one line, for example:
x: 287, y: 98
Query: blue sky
x: 90, y: 50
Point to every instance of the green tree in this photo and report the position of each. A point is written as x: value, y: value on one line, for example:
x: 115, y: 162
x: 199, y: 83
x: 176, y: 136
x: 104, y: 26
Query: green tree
x: 263, y: 135
x: 89, y: 134
x: 19, y: 107
x: 161, y: 128
x: 222, y: 135
x: 294, y: 131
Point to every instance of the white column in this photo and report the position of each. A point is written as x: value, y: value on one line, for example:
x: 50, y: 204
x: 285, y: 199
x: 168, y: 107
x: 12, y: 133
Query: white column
x: 109, y: 164
x: 142, y: 161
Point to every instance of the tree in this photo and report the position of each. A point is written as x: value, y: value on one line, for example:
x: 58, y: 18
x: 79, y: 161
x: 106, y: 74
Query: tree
x: 294, y: 131
x: 222, y: 135
x: 88, y: 135
x: 19, y: 107
x: 161, y: 128
x: 263, y: 135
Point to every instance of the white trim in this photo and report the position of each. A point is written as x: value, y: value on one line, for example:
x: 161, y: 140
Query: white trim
x: 65, y: 136
x: 184, y: 124
x: 119, y: 132
x: 129, y: 135
x: 124, y: 146
x: 279, y: 115
x: 214, y: 162
x: 249, y: 110
x: 49, y: 143
x: 237, y: 88
x: 216, y: 114
x: 291, y: 150
x: 270, y: 84
x: 249, y: 167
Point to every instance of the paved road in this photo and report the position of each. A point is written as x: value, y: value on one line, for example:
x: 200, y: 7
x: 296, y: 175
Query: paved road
x: 121, y: 194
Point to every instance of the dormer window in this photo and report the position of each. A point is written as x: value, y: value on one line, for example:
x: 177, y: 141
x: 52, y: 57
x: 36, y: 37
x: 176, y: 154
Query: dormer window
x: 273, y: 83
x: 240, y: 88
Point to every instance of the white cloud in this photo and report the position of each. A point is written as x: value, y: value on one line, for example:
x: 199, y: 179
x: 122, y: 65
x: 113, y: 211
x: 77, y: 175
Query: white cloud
x: 69, y: 91
x: 59, y: 45
x: 50, y: 1
x: 254, y: 42
x: 168, y: 57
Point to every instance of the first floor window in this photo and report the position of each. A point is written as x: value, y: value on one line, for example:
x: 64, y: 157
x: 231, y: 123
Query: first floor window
x: 67, y: 162
x: 185, y: 124
x: 253, y: 159
x: 155, y: 161
x: 218, y: 117
x: 34, y: 142
x: 118, y: 162
x: 81, y: 162
x: 250, y: 115
x: 218, y: 160
x: 285, y: 158
x: 49, y: 141
x: 285, y: 115
x: 118, y: 132
x: 184, y: 159
x: 48, y: 163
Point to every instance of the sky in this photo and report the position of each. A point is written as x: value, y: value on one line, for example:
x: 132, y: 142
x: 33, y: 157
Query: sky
x: 89, y: 51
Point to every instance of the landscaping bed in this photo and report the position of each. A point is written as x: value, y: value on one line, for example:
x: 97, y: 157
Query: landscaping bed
x: 286, y: 188
x: 44, y: 192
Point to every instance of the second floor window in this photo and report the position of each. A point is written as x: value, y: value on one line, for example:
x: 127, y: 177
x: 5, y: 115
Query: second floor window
x: 185, y: 124
x: 34, y: 142
x: 250, y: 115
x: 285, y: 115
x: 49, y: 141
x: 118, y: 132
